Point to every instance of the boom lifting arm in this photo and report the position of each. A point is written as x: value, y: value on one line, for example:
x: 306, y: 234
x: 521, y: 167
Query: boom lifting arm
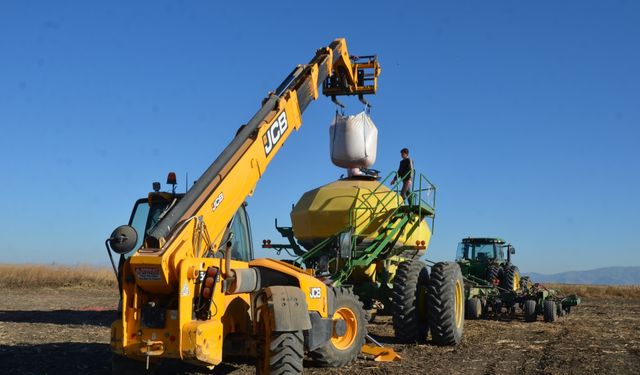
x: 210, y: 204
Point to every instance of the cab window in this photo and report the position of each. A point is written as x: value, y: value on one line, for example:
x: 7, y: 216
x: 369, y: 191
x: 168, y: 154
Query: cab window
x: 138, y: 220
x: 144, y: 218
x: 484, y: 251
x: 242, y: 247
x: 463, y: 251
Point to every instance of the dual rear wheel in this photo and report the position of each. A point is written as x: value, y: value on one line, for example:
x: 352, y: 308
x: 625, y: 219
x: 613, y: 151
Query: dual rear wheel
x: 426, y: 302
x: 508, y: 276
x: 511, y: 278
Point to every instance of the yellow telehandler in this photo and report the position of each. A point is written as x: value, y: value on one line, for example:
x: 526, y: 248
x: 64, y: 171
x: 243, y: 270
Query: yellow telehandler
x: 190, y: 288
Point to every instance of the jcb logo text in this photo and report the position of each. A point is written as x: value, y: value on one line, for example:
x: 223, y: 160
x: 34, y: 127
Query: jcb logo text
x: 273, y: 135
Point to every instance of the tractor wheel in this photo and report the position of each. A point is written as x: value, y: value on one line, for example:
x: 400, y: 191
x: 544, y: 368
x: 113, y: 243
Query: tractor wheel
x: 409, y: 302
x: 445, y: 304
x: 283, y: 353
x: 525, y: 283
x: 561, y: 311
x: 530, y: 313
x: 550, y: 311
x: 493, y: 273
x: 342, y: 350
x: 511, y: 278
x: 473, y: 308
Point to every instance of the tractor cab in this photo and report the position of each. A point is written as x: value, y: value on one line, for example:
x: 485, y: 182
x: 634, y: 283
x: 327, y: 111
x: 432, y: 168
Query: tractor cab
x: 485, y: 250
x: 486, y: 259
x: 481, y: 257
x: 147, y: 212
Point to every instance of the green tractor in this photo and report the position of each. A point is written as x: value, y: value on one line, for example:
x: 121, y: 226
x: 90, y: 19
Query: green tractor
x: 484, y: 259
x: 488, y: 272
x: 493, y: 283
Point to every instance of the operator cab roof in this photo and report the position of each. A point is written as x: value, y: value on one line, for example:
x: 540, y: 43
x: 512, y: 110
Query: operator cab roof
x: 483, y: 240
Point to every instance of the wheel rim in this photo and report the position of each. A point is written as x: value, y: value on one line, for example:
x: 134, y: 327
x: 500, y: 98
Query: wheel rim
x: 516, y: 281
x: 345, y: 341
x: 459, y: 304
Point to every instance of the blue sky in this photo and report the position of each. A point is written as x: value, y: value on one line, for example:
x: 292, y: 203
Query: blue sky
x: 525, y: 114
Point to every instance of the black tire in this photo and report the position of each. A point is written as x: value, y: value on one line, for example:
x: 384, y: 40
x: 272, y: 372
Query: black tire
x: 283, y: 354
x: 525, y: 283
x: 530, y: 313
x: 473, y: 308
x: 561, y: 311
x: 493, y: 273
x: 550, y: 311
x: 329, y: 355
x: 421, y: 305
x: 409, y: 302
x: 511, y: 278
x: 445, y: 304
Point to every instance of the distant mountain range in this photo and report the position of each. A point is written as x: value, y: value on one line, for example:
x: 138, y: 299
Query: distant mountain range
x: 602, y: 276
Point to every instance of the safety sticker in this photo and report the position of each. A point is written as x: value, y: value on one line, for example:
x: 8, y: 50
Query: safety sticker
x: 185, y: 289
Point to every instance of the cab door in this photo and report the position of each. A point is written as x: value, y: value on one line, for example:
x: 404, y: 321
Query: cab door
x: 242, y: 247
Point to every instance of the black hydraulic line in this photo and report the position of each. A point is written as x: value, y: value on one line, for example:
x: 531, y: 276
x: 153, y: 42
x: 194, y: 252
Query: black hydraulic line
x: 165, y: 226
x: 113, y: 264
x: 287, y: 81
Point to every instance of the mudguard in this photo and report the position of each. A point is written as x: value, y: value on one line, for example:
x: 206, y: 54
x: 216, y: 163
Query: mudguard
x: 288, y: 308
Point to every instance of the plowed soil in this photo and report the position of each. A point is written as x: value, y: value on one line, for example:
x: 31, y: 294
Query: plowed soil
x: 66, y: 331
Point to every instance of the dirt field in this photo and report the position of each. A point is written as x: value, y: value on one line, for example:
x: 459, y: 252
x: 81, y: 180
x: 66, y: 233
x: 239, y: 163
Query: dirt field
x: 66, y: 331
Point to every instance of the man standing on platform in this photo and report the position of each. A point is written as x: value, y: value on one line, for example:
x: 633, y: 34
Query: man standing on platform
x: 405, y: 172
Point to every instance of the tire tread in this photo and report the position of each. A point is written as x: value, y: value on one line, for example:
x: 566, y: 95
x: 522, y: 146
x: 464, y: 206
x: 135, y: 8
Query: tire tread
x: 441, y: 304
x: 406, y: 322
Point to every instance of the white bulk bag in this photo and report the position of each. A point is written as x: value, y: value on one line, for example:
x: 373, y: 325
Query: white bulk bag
x: 354, y: 141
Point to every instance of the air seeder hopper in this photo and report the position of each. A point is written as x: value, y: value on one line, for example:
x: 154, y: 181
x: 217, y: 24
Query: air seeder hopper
x: 359, y: 232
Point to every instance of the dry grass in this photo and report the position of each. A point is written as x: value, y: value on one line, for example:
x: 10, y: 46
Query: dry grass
x: 599, y: 291
x: 54, y: 276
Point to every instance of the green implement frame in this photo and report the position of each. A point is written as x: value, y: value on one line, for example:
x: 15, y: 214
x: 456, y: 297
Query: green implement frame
x: 495, y: 299
x: 348, y: 245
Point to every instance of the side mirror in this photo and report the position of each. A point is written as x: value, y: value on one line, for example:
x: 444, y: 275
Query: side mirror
x: 123, y: 239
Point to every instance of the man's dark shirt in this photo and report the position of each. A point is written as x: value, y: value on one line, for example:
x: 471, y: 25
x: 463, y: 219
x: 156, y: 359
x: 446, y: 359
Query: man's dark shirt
x: 404, y: 169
